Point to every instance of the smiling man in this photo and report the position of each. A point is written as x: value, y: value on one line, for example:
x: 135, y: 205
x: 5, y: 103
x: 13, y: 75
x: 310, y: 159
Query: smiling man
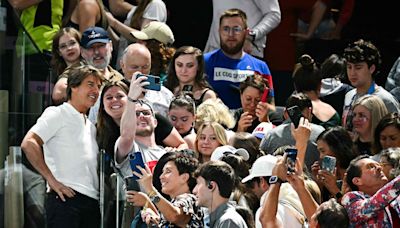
x: 68, y: 160
x: 373, y: 201
x: 363, y: 62
x: 228, y: 66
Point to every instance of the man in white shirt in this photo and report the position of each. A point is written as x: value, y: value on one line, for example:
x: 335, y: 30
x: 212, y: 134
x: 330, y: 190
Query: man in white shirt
x: 68, y: 160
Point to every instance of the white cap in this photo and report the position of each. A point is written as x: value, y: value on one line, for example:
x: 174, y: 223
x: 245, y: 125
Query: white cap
x: 262, y: 167
x: 262, y: 129
x: 220, y: 151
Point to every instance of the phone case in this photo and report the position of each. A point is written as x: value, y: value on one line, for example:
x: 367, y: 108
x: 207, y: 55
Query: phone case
x: 295, y: 115
x: 136, y: 159
x: 132, y: 184
x: 155, y: 83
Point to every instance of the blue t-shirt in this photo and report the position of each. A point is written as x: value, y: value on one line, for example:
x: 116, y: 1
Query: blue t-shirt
x: 225, y: 74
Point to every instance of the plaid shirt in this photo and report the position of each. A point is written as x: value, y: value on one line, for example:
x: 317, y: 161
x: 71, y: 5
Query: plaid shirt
x: 373, y: 211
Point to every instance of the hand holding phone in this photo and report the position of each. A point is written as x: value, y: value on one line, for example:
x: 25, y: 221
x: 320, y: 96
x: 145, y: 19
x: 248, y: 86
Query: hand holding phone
x: 136, y: 159
x: 155, y: 82
x: 291, y: 155
x: 328, y: 163
x: 294, y: 113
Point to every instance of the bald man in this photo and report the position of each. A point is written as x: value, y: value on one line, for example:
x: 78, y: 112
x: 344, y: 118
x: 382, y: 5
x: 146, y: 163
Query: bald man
x: 136, y: 57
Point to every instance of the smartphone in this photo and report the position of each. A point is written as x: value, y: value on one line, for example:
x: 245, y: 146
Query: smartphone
x: 132, y: 184
x: 328, y: 163
x: 291, y: 154
x: 155, y: 82
x: 264, y: 97
x: 187, y: 88
x: 136, y: 159
x: 294, y: 115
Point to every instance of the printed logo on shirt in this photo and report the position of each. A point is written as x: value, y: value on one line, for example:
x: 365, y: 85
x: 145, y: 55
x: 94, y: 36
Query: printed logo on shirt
x: 224, y: 74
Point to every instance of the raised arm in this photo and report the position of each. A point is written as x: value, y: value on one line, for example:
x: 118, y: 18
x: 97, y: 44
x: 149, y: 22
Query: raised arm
x: 128, y: 119
x: 120, y: 7
x: 301, y: 134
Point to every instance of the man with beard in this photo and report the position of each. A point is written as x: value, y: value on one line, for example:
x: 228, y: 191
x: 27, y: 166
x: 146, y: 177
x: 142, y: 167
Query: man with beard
x: 228, y: 66
x: 96, y: 48
x: 62, y: 147
x: 137, y: 129
x: 137, y: 135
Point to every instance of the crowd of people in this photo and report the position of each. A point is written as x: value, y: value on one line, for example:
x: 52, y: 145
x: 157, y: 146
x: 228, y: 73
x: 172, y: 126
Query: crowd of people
x: 204, y: 139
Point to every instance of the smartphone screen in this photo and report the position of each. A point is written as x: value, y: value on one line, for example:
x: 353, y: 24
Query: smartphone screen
x: 136, y: 159
x: 295, y: 115
x: 328, y: 163
x: 291, y: 154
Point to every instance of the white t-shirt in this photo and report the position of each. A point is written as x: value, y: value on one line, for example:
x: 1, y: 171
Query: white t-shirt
x: 70, y: 148
x: 286, y: 214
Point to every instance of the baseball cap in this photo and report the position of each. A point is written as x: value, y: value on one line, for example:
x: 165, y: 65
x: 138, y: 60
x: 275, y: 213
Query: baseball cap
x: 262, y: 129
x: 94, y: 35
x: 220, y: 151
x: 262, y: 167
x: 155, y: 30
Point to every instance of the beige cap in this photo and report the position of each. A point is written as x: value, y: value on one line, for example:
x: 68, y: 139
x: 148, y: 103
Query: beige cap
x: 155, y: 30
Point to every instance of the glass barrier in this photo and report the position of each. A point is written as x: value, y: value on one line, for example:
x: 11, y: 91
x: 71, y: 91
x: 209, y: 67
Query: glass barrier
x: 26, y: 84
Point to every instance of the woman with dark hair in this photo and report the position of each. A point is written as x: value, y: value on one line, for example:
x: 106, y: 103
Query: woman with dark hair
x: 66, y: 52
x: 307, y: 79
x: 112, y: 104
x: 256, y: 100
x: 334, y: 83
x: 177, y: 181
x: 182, y: 116
x: 187, y: 69
x: 387, y: 133
x: 335, y: 142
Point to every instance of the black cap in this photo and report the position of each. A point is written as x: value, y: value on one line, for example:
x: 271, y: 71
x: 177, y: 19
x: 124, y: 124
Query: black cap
x: 94, y: 35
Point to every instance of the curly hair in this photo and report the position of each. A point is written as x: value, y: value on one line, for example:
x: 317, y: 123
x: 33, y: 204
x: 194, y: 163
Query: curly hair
x: 161, y: 56
x: 363, y: 51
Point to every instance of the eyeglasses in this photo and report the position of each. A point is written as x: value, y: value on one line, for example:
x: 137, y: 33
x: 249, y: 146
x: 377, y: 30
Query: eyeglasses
x: 70, y: 43
x: 236, y: 30
x: 143, y: 112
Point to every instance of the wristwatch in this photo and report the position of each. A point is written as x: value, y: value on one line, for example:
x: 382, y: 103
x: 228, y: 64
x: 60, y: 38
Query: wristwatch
x: 155, y: 199
x: 274, y: 180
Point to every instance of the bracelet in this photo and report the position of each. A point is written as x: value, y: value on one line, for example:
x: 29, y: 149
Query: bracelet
x: 132, y: 100
x: 152, y: 193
